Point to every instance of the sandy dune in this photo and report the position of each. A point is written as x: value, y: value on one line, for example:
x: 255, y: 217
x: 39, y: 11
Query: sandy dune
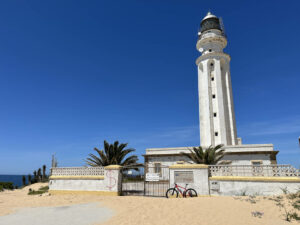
x: 145, y: 210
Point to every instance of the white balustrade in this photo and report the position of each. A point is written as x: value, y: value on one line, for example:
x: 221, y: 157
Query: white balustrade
x: 254, y: 171
x: 77, y: 171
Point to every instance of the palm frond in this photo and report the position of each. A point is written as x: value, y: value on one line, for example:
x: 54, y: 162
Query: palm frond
x: 209, y: 156
x: 112, y: 154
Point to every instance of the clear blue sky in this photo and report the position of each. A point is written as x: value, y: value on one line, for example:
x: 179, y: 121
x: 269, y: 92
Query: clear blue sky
x: 74, y: 73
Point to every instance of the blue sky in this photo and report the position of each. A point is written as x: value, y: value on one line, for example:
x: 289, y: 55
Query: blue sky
x: 73, y: 73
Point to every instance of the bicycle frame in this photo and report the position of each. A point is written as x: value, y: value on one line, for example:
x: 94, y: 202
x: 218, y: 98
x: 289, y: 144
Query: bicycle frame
x: 178, y: 188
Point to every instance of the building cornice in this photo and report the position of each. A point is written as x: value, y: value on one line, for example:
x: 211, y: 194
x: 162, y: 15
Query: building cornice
x: 225, y: 153
x: 113, y: 167
x: 76, y: 177
x: 188, y: 166
x: 213, y: 55
x: 257, y: 179
x: 209, y: 37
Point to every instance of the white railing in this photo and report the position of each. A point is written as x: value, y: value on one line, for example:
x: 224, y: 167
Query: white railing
x: 254, y: 171
x: 77, y: 171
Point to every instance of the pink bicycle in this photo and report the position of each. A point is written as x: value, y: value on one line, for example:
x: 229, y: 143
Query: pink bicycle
x: 186, y: 193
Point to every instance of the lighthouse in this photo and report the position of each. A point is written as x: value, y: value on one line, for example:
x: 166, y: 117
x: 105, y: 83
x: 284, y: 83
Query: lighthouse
x: 216, y: 110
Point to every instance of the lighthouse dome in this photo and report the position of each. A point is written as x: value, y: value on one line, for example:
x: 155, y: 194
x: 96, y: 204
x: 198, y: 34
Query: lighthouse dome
x: 209, y: 22
x: 209, y: 15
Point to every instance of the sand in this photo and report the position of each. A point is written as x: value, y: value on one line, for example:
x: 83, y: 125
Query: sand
x: 133, y: 210
x: 80, y: 214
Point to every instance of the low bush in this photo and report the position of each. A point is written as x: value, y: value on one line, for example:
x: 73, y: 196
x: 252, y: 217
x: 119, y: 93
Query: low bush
x: 7, y: 185
x: 41, y: 190
x: 290, y: 203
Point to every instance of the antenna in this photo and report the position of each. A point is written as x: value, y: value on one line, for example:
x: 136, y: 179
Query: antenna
x: 222, y: 26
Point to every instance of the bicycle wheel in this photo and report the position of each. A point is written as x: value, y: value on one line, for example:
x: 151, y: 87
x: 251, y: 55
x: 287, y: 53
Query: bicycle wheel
x: 172, y: 193
x: 190, y: 193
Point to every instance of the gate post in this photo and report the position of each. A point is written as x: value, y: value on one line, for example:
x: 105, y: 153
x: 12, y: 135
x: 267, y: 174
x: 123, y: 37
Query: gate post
x: 113, y: 179
x: 196, y: 175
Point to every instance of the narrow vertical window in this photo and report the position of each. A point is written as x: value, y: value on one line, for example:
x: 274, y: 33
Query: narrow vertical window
x: 216, y: 134
x: 157, y: 168
x: 215, y: 114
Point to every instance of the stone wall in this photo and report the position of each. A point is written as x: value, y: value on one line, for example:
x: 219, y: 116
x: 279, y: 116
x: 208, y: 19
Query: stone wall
x: 239, y: 179
x: 106, y: 182
x: 250, y: 186
x: 214, y: 180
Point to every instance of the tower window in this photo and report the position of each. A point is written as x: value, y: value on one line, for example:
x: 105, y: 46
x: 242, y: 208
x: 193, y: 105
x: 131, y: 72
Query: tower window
x: 212, y: 78
x: 213, y: 96
x: 211, y: 64
x: 216, y: 134
x: 215, y: 114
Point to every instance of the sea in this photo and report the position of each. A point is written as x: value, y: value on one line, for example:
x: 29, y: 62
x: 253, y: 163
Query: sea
x: 15, y: 179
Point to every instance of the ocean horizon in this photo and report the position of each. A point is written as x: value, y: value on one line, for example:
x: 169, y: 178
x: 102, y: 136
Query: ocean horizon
x: 15, y: 179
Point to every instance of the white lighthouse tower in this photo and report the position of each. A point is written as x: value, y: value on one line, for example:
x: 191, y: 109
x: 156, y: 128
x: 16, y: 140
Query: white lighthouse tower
x: 217, y: 119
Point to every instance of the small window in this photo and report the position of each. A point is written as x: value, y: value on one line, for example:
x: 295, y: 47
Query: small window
x: 216, y: 134
x: 212, y: 79
x: 215, y: 114
x: 213, y: 96
x: 256, y: 163
x: 211, y: 64
x: 209, y: 50
x: 157, y: 168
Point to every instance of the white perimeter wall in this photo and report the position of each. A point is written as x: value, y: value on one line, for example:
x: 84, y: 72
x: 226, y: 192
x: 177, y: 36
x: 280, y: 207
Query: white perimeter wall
x: 78, y: 185
x: 252, y: 187
x: 111, y: 182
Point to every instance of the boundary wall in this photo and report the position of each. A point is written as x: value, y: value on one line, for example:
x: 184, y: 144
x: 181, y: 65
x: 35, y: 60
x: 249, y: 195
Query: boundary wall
x: 239, y: 180
x: 205, y: 179
x: 86, y: 180
x: 230, y: 185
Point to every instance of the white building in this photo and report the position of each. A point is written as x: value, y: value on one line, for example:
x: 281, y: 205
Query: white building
x: 217, y: 119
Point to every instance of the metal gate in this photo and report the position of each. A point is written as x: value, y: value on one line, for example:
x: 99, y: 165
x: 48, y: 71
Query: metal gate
x: 145, y: 181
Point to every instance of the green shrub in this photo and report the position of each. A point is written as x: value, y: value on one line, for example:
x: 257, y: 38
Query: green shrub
x: 41, y: 190
x: 1, y: 188
x: 7, y: 185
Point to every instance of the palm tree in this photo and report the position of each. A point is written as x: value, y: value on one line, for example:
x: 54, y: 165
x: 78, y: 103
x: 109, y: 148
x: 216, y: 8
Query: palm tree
x: 24, y: 181
x: 29, y: 179
x: 113, y: 154
x: 39, y: 174
x: 209, y: 156
x: 34, y: 176
x: 44, y: 173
